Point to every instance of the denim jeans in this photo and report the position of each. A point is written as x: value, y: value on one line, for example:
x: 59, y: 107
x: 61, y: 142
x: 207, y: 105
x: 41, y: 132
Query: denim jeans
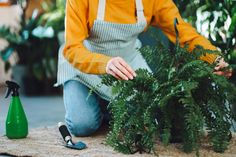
x: 84, y: 115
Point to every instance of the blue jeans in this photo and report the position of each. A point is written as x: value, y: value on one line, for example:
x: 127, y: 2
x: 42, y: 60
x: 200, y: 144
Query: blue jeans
x: 83, y: 116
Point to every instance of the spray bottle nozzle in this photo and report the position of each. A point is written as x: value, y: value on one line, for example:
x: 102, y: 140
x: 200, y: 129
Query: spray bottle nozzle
x: 12, y: 87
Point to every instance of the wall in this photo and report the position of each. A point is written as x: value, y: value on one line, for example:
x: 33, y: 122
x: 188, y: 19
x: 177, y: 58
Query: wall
x: 10, y: 16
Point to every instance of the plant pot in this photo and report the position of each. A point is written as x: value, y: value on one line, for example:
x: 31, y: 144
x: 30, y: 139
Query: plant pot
x: 32, y: 86
x: 49, y: 89
x: 35, y: 87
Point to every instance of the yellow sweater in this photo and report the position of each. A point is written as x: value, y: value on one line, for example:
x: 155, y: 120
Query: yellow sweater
x: 80, y: 15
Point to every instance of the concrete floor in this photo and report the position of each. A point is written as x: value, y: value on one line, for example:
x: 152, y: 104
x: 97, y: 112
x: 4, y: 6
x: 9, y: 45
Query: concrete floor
x: 40, y: 111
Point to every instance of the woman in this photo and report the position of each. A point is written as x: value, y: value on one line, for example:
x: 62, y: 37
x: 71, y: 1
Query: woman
x: 101, y: 38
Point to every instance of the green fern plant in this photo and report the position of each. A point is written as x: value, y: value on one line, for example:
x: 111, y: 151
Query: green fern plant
x: 182, y: 93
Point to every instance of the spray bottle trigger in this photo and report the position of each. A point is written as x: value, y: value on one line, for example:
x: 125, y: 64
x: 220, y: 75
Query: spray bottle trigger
x: 7, y: 93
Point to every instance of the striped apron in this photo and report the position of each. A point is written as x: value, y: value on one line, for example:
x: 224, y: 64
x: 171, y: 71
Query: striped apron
x: 109, y: 39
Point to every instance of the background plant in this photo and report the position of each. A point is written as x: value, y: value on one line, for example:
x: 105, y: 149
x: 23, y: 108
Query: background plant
x: 54, y: 15
x: 182, y: 94
x: 35, y: 44
x: 219, y: 19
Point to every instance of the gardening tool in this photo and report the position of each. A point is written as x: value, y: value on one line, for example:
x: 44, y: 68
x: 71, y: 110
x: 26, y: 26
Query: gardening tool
x: 68, y: 138
x: 16, y: 122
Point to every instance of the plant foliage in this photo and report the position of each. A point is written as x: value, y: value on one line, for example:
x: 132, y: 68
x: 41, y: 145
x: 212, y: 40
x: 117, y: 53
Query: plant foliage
x: 220, y: 19
x: 182, y: 94
x: 34, y: 44
x: 54, y: 16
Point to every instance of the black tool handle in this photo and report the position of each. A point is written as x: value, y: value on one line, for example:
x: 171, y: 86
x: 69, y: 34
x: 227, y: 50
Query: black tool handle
x: 64, y: 132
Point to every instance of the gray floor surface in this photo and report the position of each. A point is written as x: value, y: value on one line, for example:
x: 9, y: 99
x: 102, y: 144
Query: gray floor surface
x: 40, y: 111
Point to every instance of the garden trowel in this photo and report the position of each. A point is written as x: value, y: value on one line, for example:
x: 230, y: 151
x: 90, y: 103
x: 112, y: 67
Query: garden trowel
x: 68, y: 138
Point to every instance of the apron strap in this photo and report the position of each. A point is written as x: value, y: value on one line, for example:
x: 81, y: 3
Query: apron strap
x: 101, y: 9
x: 139, y: 10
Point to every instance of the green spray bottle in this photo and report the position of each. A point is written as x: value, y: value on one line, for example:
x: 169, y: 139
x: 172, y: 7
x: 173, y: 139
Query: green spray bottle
x: 16, y: 122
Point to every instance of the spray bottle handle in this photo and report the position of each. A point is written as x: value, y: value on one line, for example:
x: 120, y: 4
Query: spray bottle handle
x: 12, y: 87
x: 7, y: 93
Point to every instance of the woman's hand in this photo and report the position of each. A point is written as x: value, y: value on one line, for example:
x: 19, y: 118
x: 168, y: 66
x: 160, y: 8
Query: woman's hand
x: 222, y: 69
x: 118, y: 68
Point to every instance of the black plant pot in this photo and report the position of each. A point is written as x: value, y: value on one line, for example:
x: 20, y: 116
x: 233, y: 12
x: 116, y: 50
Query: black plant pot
x: 49, y: 89
x: 35, y: 87
x: 32, y: 86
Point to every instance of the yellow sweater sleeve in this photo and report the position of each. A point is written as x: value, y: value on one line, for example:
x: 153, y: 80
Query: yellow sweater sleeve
x: 76, y: 31
x: 164, y: 13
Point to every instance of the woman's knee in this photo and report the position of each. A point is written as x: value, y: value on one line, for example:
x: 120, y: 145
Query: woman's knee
x: 83, y: 115
x: 84, y: 126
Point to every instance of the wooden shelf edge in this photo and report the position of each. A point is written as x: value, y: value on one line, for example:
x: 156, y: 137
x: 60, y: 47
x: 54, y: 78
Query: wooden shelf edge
x: 5, y: 4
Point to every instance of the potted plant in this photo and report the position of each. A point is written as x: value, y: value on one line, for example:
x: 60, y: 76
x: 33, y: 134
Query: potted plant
x: 37, y: 48
x: 181, y: 94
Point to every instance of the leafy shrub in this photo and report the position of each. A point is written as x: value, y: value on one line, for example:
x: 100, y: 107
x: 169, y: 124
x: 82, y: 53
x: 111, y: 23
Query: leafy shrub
x: 181, y: 94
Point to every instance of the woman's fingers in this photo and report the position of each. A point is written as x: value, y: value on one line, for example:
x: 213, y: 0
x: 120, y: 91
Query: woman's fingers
x: 224, y: 73
x: 118, y: 72
x: 123, y: 70
x: 221, y: 65
x: 115, y: 75
x: 109, y: 71
x: 130, y: 70
x: 118, y: 68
